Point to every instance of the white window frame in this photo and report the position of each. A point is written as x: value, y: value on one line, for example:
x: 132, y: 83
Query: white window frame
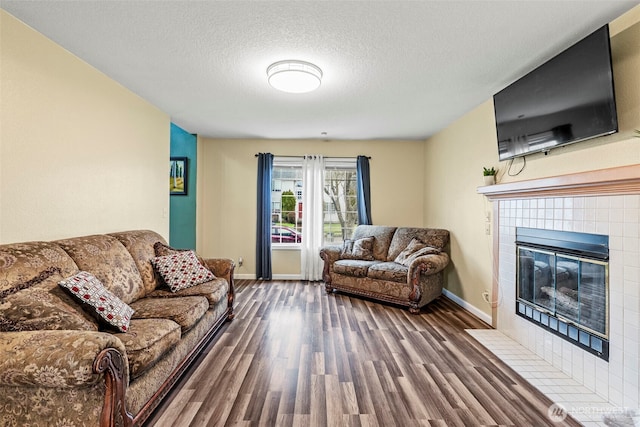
x: 331, y: 163
x: 293, y: 163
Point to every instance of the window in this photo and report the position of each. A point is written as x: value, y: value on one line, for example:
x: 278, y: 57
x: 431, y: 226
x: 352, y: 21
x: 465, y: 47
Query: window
x: 340, y: 212
x: 286, y: 211
x: 340, y: 202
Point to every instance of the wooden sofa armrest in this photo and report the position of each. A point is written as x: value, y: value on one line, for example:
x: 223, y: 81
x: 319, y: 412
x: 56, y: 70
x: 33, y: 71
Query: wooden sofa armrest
x: 114, y: 411
x: 64, y: 360
x: 422, y: 267
x: 71, y: 354
x: 329, y: 255
x: 224, y: 268
x: 221, y: 267
x: 428, y: 264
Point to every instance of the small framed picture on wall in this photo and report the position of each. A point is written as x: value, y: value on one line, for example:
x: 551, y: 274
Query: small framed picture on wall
x: 178, y: 174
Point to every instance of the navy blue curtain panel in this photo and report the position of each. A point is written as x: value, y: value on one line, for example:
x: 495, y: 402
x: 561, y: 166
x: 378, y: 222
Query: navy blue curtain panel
x: 364, y: 190
x: 263, y: 228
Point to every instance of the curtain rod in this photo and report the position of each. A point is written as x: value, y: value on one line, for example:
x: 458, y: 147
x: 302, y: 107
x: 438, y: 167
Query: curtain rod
x: 329, y: 157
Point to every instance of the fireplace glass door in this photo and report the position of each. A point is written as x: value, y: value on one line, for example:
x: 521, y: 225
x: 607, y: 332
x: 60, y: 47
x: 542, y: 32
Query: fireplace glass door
x: 571, y: 288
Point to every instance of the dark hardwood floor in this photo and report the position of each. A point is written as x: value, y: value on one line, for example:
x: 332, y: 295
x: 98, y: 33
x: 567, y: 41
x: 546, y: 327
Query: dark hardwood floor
x: 295, y: 356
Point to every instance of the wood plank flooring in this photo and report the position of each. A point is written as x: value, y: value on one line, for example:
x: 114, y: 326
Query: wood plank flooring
x: 295, y: 356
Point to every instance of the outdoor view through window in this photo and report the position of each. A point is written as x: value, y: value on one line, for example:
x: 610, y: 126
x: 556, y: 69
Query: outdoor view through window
x: 340, y: 214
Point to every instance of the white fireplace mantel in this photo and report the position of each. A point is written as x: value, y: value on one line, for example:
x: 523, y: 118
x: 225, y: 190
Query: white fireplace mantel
x: 619, y: 180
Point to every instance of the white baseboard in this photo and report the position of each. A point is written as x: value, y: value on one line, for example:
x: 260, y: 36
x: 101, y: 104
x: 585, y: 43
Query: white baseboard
x: 470, y: 308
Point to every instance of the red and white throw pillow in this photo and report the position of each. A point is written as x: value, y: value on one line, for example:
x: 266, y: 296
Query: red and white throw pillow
x: 89, y: 290
x: 182, y: 270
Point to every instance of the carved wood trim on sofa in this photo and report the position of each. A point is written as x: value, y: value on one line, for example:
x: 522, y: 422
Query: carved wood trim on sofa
x: 373, y: 295
x: 114, y: 412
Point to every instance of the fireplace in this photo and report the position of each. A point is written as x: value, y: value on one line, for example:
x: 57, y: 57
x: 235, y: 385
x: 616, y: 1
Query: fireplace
x: 604, y: 202
x: 562, y: 282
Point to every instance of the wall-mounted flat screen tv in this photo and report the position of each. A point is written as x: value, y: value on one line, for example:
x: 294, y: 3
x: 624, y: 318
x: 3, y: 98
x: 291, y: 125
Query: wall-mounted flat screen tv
x: 567, y: 99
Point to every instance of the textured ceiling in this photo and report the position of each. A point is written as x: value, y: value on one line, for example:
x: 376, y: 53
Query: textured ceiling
x: 392, y: 69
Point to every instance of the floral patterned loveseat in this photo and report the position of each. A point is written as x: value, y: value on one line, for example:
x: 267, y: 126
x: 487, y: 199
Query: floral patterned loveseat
x: 60, y: 366
x: 400, y: 265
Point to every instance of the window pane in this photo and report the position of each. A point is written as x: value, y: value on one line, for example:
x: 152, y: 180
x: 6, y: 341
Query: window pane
x: 286, y: 205
x: 340, y: 209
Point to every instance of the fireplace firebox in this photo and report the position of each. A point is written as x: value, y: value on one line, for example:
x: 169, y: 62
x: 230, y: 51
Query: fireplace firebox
x: 563, y: 285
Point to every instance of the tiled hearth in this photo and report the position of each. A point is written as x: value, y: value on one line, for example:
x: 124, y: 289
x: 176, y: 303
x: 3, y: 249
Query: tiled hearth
x: 605, y: 203
x: 577, y: 400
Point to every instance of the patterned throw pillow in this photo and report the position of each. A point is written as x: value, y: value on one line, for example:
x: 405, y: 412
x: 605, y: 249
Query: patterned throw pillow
x: 361, y: 249
x: 41, y: 277
x: 182, y: 270
x: 414, y: 249
x: 38, y: 309
x: 161, y: 249
x: 108, y: 307
x: 8, y: 325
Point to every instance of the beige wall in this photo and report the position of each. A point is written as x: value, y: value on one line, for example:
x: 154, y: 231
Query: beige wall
x: 79, y: 153
x: 227, y: 191
x: 459, y: 152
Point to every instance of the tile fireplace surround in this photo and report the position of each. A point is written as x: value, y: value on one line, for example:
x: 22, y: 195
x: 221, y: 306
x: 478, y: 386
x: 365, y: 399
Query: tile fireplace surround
x: 602, y: 202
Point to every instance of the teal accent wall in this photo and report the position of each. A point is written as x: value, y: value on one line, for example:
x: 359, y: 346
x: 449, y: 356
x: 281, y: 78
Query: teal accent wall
x: 182, y: 209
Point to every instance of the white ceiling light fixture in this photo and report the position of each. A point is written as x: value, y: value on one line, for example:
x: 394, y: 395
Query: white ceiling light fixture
x: 294, y: 76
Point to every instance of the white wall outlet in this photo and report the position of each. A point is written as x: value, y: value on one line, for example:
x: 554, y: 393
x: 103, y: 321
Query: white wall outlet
x: 485, y: 296
x: 487, y: 228
x: 240, y: 262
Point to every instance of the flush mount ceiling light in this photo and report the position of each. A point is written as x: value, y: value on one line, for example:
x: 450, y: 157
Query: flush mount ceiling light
x: 294, y: 76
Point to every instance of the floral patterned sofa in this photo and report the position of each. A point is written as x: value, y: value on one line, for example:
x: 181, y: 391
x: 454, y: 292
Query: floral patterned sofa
x: 400, y: 265
x: 60, y: 366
